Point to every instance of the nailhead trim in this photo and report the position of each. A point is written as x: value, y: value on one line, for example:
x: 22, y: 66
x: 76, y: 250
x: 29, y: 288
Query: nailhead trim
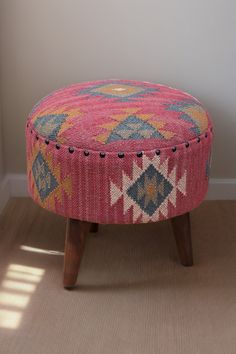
x: 121, y: 155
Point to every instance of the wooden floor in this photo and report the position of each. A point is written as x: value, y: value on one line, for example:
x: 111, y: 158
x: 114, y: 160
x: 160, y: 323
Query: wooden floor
x: 133, y: 295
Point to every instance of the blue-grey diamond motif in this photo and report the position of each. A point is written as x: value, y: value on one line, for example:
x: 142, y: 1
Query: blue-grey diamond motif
x: 50, y: 125
x: 44, y: 179
x: 150, y: 190
x: 133, y: 128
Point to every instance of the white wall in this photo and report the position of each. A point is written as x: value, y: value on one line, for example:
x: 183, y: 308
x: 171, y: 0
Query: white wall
x: 190, y: 44
x: 4, y: 192
x: 1, y: 152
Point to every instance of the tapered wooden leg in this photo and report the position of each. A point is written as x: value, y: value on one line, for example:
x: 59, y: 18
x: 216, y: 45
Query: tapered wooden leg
x: 74, y: 246
x: 94, y: 227
x: 182, y: 231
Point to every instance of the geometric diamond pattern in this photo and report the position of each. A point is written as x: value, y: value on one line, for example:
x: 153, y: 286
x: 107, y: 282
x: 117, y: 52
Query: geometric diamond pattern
x: 133, y: 128
x: 150, y: 190
x: 49, y: 183
x: 133, y: 125
x: 49, y: 125
x: 124, y: 92
x: 44, y: 179
x: 113, y: 112
x: 193, y: 113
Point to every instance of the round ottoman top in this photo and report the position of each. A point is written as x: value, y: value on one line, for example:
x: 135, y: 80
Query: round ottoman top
x: 119, y: 116
x: 118, y: 152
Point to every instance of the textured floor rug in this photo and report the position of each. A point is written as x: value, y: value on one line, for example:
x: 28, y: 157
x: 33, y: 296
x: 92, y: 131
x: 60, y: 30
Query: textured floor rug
x: 133, y: 296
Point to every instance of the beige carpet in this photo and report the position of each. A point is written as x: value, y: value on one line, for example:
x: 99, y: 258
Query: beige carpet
x: 134, y: 296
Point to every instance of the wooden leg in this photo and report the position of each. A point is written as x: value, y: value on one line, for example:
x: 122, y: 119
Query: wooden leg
x: 74, y: 246
x: 182, y: 231
x: 94, y: 227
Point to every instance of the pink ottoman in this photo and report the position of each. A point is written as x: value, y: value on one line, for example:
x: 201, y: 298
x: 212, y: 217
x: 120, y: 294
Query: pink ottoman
x: 118, y: 152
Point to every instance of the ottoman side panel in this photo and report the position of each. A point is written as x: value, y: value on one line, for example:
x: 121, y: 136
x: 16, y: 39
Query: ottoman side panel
x: 162, y: 186
x: 132, y: 189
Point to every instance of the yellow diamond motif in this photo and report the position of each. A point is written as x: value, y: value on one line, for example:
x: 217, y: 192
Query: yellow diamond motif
x: 118, y: 90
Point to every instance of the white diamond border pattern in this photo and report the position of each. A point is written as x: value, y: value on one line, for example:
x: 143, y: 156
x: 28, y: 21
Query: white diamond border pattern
x: 116, y: 193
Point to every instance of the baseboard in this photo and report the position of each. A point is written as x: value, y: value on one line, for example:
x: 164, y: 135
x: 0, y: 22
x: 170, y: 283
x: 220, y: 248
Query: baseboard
x: 222, y: 189
x: 15, y: 185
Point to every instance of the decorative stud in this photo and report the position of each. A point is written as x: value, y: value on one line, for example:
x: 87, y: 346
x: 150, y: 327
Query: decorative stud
x: 187, y: 144
x: 206, y: 135
x: 139, y: 154
x: 37, y: 138
x: 58, y: 146
x: 158, y: 152
x: 121, y: 155
x: 174, y: 148
x: 71, y: 150
x: 198, y: 140
x: 47, y: 141
x: 102, y: 154
x: 86, y: 153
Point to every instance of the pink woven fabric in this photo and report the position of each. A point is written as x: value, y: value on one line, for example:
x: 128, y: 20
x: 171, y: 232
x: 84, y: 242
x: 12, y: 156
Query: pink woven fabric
x: 118, y: 151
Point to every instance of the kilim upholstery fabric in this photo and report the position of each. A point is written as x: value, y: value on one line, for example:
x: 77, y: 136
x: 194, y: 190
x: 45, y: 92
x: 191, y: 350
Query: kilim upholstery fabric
x: 118, y: 151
